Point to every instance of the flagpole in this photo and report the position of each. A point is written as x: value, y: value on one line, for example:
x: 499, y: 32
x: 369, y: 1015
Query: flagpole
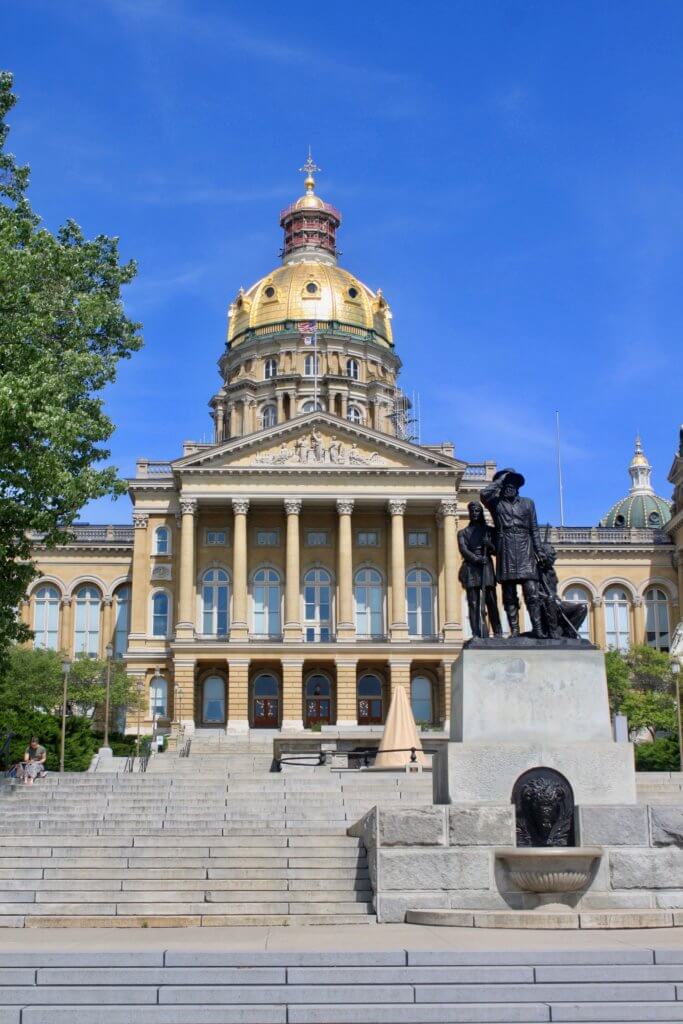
x: 315, y: 368
x: 559, y: 467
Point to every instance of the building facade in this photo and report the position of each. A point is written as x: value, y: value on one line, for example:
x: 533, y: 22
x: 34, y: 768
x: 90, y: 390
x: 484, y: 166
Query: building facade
x: 292, y: 572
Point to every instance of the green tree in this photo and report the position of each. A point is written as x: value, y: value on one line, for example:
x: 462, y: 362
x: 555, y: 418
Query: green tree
x: 641, y: 686
x: 63, y: 331
x: 87, y: 686
x: 30, y: 681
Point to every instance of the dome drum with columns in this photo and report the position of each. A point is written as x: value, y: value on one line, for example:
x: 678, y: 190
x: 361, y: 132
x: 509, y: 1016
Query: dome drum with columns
x: 297, y: 569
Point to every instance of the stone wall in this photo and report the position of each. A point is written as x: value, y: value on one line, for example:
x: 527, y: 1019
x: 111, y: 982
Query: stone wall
x: 443, y: 857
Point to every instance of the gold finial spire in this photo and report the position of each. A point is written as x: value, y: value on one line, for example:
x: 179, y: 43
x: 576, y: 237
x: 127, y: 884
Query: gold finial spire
x: 309, y: 168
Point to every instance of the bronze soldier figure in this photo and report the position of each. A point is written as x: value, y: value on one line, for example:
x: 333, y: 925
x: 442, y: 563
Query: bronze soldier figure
x: 560, y: 618
x: 518, y: 547
x: 476, y: 543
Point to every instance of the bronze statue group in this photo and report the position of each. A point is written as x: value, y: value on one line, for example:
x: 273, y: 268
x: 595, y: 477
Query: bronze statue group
x: 523, y: 560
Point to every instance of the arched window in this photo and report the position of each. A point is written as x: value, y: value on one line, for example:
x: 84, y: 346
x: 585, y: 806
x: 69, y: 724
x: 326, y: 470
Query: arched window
x: 270, y: 369
x: 121, y: 620
x: 311, y: 365
x: 318, y: 702
x: 268, y: 416
x: 422, y: 699
x: 87, y: 621
x: 354, y: 415
x: 312, y: 406
x: 656, y: 619
x: 577, y: 593
x: 317, y: 605
x: 162, y: 540
x: 370, y: 703
x: 352, y: 369
x: 420, y: 600
x: 267, y: 601
x: 158, y: 697
x: 369, y: 596
x: 266, y: 701
x: 617, y: 631
x: 215, y: 602
x: 160, y: 613
x: 46, y: 617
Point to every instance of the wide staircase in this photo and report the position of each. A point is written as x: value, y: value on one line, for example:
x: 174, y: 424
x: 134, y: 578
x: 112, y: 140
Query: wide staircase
x: 215, y: 838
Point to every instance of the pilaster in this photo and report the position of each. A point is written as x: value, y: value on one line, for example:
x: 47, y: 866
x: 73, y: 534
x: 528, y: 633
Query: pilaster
x: 399, y: 675
x: 292, y: 695
x: 347, y: 704
x: 238, y: 696
x: 139, y: 581
x: 184, y: 677
x: 598, y: 613
x: 66, y: 633
x: 185, y: 628
x: 107, y: 624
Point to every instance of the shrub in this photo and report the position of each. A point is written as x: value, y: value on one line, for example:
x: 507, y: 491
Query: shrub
x: 659, y: 756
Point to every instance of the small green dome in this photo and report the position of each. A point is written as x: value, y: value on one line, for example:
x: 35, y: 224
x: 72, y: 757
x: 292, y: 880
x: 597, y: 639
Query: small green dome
x: 641, y: 508
x: 643, y: 511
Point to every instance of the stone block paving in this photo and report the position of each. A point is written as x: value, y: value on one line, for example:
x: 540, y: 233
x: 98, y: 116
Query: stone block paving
x: 323, y: 987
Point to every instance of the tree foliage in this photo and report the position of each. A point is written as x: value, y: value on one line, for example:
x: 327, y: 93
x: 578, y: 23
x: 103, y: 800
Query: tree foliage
x: 641, y: 686
x: 63, y: 331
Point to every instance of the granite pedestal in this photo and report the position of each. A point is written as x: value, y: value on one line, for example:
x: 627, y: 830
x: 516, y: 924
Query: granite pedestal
x: 516, y: 707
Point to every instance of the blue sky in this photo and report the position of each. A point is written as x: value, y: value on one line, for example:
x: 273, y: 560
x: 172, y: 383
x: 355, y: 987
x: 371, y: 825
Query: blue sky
x: 510, y: 174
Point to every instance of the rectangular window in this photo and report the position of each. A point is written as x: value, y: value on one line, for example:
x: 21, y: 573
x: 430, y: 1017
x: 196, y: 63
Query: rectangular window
x: 418, y: 538
x: 267, y: 538
x: 367, y: 538
x: 317, y: 538
x: 215, y: 538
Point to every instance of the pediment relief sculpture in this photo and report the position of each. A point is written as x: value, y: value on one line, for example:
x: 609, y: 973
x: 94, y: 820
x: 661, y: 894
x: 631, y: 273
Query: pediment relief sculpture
x: 315, y: 450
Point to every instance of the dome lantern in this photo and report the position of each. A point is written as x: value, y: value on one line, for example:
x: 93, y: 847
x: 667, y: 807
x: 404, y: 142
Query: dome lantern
x: 310, y: 225
x: 641, y: 508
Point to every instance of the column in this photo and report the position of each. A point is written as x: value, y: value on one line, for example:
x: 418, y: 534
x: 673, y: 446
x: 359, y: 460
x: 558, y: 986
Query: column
x: 66, y: 634
x: 292, y: 625
x: 599, y: 635
x: 280, y: 399
x: 638, y: 620
x: 107, y: 625
x: 399, y: 624
x: 448, y: 510
x: 399, y: 675
x: 184, y: 674
x: 238, y: 696
x: 220, y: 422
x: 239, y: 629
x: 292, y: 695
x: 139, y: 581
x: 344, y: 404
x: 346, y: 629
x: 446, y: 672
x: 234, y: 420
x: 187, y: 589
x: 347, y: 704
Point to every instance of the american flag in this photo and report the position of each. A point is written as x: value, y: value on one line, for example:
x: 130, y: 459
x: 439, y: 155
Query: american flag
x: 307, y: 331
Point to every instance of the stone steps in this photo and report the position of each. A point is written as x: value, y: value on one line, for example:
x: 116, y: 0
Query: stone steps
x: 322, y: 987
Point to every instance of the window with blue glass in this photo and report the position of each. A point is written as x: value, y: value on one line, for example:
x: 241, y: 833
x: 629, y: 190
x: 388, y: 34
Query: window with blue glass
x: 160, y: 616
x: 317, y: 605
x: 267, y: 601
x: 420, y: 600
x: 215, y: 602
x: 369, y: 598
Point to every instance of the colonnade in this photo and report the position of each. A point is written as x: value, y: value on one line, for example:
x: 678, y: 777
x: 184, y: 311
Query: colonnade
x: 292, y: 629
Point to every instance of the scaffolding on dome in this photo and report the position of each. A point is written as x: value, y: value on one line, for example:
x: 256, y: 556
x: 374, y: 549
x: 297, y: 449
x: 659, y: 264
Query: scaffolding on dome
x: 405, y: 416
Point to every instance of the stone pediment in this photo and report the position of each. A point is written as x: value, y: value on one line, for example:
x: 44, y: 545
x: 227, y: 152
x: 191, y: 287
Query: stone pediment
x: 316, y: 442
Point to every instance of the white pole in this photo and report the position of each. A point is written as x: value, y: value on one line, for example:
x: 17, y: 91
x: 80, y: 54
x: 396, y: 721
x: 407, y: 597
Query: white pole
x: 559, y: 467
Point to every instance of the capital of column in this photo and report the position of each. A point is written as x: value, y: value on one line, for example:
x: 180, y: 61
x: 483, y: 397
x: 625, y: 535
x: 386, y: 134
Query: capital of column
x: 240, y: 506
x: 188, y: 506
x: 293, y: 506
x: 448, y: 507
x: 107, y: 602
x: 140, y: 520
x: 66, y: 602
x: 345, y: 506
x: 638, y: 601
x: 597, y: 602
x: 397, y: 506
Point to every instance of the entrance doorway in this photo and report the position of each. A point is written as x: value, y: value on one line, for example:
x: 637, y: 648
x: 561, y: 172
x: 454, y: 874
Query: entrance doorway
x: 370, y: 702
x: 213, y: 700
x: 266, y: 702
x: 318, y: 700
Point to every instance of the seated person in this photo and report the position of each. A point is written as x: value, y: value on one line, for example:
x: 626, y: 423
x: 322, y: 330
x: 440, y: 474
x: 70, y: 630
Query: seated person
x: 33, y: 765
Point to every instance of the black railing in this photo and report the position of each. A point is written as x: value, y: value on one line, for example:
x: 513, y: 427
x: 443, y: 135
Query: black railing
x: 186, y: 747
x: 128, y: 766
x: 365, y: 754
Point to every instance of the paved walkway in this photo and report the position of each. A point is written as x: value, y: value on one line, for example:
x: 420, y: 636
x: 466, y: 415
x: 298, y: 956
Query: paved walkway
x: 388, y: 937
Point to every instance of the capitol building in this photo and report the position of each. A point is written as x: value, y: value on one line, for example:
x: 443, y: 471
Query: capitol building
x: 292, y: 572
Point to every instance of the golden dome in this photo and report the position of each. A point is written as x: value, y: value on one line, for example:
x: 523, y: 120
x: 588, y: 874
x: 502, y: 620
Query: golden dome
x: 309, y: 290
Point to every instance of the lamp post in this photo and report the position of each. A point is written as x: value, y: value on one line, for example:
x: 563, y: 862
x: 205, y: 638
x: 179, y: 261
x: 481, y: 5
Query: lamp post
x: 139, y: 685
x: 109, y: 650
x: 66, y: 668
x: 676, y: 669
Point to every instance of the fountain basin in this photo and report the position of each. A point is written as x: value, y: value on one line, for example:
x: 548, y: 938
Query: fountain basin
x: 541, y: 869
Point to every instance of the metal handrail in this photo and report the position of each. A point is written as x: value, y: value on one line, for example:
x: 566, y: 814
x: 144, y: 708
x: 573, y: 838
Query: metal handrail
x: 128, y: 767
x: 142, y: 763
x: 364, y: 752
x: 185, y: 749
